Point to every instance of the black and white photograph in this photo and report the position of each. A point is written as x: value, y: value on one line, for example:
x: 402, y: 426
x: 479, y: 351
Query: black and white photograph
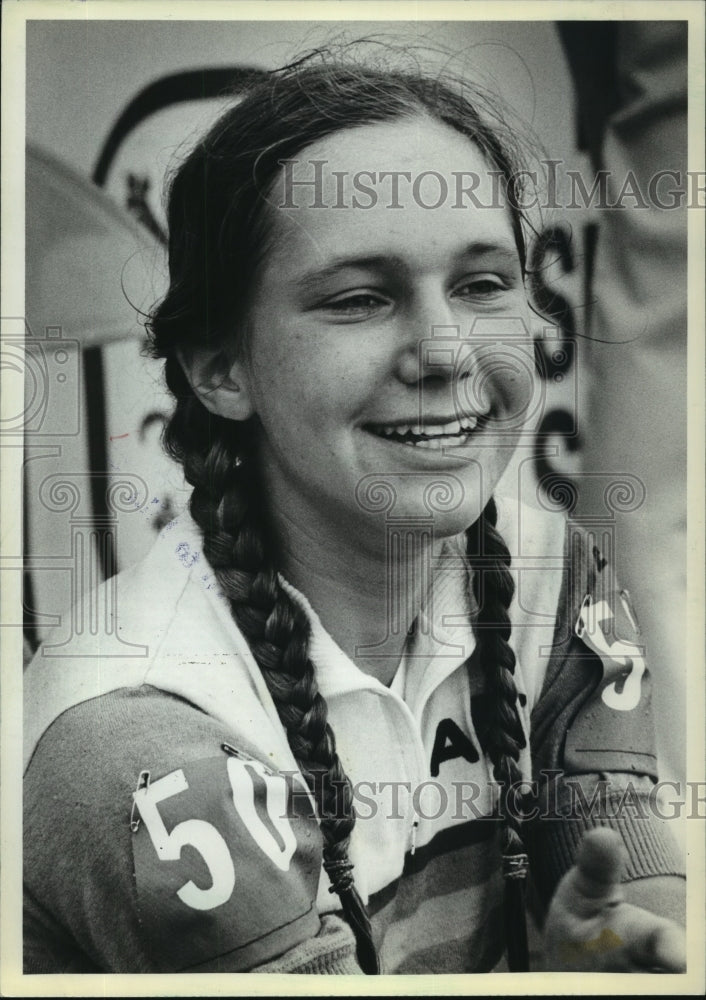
x: 352, y: 492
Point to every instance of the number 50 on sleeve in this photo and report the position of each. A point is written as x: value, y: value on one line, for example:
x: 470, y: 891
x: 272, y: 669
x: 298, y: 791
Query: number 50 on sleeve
x: 225, y: 848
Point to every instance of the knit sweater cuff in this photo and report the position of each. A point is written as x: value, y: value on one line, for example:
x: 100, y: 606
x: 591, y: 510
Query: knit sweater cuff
x: 650, y: 846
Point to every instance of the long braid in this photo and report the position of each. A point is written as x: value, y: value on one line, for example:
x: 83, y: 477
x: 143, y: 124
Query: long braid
x: 493, y: 589
x: 224, y: 507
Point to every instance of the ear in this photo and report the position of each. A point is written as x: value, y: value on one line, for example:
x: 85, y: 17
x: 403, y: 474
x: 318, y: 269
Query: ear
x: 221, y: 384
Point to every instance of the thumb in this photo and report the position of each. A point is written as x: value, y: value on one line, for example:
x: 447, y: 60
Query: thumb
x: 600, y: 863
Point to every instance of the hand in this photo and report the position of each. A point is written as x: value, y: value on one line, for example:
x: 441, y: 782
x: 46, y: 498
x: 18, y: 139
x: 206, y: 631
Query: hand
x: 591, y: 928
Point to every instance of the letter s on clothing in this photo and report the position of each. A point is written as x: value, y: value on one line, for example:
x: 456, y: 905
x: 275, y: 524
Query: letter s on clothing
x: 621, y: 659
x: 629, y: 696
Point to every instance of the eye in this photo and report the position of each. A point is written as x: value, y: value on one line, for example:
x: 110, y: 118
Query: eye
x: 482, y: 287
x: 356, y: 305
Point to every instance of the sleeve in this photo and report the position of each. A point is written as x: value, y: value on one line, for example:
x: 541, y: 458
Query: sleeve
x: 154, y: 843
x: 593, y: 750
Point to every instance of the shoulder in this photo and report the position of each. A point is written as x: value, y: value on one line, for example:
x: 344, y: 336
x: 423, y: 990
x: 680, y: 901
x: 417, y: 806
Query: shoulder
x: 595, y: 712
x: 149, y: 623
x: 545, y: 544
x: 137, y: 603
x: 159, y: 850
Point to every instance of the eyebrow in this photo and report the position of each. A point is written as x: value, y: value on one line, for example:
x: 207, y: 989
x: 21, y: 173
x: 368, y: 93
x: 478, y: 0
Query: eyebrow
x: 503, y: 249
x: 376, y: 262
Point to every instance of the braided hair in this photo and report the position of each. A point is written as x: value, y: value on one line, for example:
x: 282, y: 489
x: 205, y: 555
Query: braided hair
x: 503, y: 736
x: 218, y: 224
x: 224, y: 504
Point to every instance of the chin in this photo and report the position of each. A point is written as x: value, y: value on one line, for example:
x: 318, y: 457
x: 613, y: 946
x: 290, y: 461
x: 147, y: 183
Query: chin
x: 440, y: 513
x: 446, y: 502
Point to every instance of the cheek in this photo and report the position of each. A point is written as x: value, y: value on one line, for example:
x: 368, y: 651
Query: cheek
x: 520, y: 381
x: 511, y: 366
x: 501, y: 375
x: 308, y: 385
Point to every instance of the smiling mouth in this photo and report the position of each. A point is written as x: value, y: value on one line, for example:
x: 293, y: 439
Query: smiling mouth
x: 453, y: 434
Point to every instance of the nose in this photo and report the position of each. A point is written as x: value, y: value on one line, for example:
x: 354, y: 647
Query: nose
x: 432, y: 342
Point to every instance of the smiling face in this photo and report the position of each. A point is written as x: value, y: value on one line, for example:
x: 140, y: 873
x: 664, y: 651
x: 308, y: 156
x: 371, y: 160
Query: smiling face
x: 387, y: 343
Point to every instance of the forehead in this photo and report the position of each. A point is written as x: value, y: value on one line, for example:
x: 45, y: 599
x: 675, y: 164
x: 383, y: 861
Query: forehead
x: 413, y: 185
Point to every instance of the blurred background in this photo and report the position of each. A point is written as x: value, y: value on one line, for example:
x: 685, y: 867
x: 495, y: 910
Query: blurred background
x: 112, y: 105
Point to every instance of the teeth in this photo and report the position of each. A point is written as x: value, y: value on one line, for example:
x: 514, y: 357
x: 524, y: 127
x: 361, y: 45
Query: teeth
x: 432, y: 444
x: 431, y: 435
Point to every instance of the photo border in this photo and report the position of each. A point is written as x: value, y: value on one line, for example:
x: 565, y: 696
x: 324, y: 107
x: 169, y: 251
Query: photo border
x: 15, y: 15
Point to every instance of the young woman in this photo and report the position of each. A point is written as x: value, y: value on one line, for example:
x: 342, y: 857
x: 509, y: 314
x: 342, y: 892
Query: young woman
x: 367, y: 696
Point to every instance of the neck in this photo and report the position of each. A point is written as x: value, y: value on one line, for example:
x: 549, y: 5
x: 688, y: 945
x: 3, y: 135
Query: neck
x: 366, y: 597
